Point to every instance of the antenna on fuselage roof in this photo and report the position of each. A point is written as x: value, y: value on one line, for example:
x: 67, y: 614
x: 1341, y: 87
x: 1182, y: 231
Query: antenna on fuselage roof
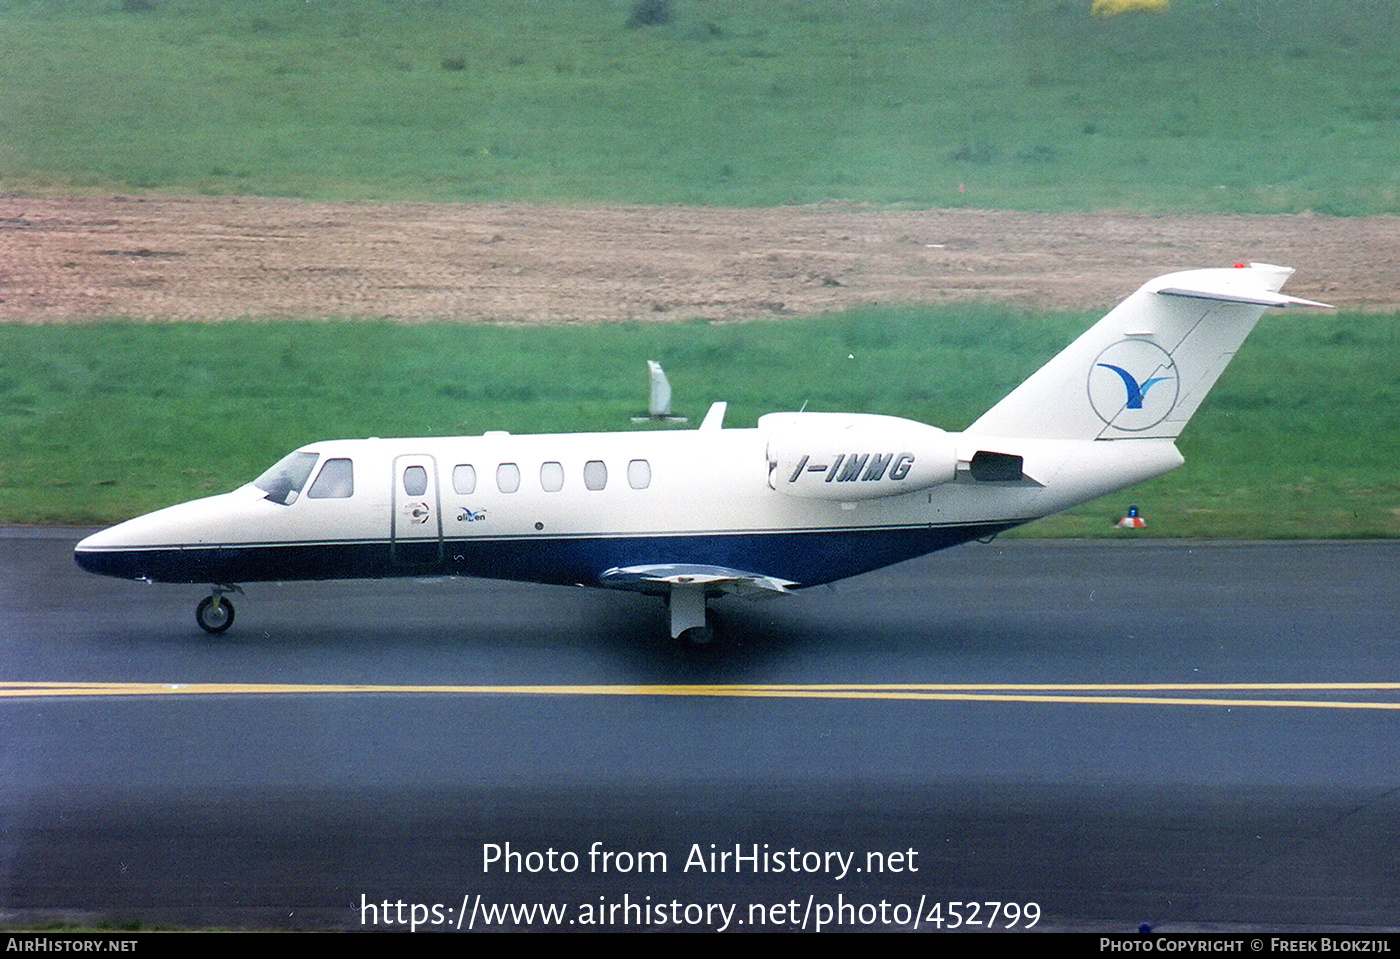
x: 659, y: 406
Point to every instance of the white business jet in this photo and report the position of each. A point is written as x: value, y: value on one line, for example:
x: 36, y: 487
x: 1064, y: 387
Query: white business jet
x: 803, y: 499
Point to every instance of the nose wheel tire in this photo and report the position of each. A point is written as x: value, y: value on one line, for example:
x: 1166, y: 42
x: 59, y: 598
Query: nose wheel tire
x: 214, y: 614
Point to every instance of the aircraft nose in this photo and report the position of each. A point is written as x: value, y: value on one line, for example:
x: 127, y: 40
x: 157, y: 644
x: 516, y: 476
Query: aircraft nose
x: 150, y: 546
x: 97, y: 554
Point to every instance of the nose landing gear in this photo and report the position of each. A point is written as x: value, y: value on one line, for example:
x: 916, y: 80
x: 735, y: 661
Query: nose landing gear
x: 215, y: 611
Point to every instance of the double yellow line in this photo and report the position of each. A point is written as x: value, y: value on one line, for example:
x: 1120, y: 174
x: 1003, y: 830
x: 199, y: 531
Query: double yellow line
x: 1230, y: 695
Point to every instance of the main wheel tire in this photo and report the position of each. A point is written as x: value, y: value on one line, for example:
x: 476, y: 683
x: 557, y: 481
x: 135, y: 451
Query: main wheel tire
x: 698, y: 636
x: 214, y: 614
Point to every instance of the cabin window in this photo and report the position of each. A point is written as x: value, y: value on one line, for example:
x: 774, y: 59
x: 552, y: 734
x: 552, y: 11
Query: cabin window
x: 552, y: 477
x: 335, y: 481
x: 508, y: 477
x: 639, y: 474
x: 415, y: 480
x: 285, y: 479
x: 464, y: 478
x: 595, y: 474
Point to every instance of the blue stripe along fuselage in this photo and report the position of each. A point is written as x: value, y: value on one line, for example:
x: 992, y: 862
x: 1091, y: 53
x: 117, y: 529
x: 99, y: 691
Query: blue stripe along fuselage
x: 804, y: 557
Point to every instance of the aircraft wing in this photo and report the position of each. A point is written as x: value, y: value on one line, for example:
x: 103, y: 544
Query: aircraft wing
x: 662, y: 576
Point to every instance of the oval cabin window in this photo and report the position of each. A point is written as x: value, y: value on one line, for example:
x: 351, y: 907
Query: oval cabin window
x: 415, y: 481
x: 595, y: 474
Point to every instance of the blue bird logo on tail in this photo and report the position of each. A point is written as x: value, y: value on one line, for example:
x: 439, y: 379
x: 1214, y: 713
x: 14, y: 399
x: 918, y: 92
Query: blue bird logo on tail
x: 1135, y: 392
x: 1123, y: 401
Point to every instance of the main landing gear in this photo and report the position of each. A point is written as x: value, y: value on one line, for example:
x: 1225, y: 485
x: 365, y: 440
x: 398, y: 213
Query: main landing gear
x: 688, y: 623
x: 215, y: 611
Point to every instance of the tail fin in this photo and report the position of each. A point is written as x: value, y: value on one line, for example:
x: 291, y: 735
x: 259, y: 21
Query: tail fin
x: 1142, y: 371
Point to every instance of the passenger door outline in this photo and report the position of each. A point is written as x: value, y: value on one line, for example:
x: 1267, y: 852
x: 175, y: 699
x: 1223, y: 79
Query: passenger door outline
x: 416, y: 520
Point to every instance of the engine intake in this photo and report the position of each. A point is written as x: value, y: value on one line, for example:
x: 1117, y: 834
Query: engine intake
x: 854, y: 456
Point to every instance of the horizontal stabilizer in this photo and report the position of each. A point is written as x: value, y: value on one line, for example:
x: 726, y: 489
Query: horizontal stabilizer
x: 1253, y: 297
x: 652, y: 579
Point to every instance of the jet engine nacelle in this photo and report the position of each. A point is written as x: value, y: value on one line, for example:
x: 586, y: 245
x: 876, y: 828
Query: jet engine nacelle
x: 855, y: 456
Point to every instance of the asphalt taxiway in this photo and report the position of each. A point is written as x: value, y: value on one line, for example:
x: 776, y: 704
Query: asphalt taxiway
x: 1183, y: 734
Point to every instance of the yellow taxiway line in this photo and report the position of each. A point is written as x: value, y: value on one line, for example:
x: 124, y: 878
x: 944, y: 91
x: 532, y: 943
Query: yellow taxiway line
x: 1230, y: 695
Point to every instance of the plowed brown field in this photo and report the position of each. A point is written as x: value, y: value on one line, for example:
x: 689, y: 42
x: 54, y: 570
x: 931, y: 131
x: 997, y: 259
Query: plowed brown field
x: 160, y: 258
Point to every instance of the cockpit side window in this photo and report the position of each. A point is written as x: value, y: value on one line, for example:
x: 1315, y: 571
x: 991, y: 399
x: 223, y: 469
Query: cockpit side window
x: 335, y: 481
x: 284, y: 480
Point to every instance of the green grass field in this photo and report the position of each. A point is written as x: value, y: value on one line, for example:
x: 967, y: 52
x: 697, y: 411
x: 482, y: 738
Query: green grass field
x: 104, y: 421
x: 1217, y: 105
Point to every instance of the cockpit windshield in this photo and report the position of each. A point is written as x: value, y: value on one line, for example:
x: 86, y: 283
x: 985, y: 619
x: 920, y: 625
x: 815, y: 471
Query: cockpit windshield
x: 284, y: 481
